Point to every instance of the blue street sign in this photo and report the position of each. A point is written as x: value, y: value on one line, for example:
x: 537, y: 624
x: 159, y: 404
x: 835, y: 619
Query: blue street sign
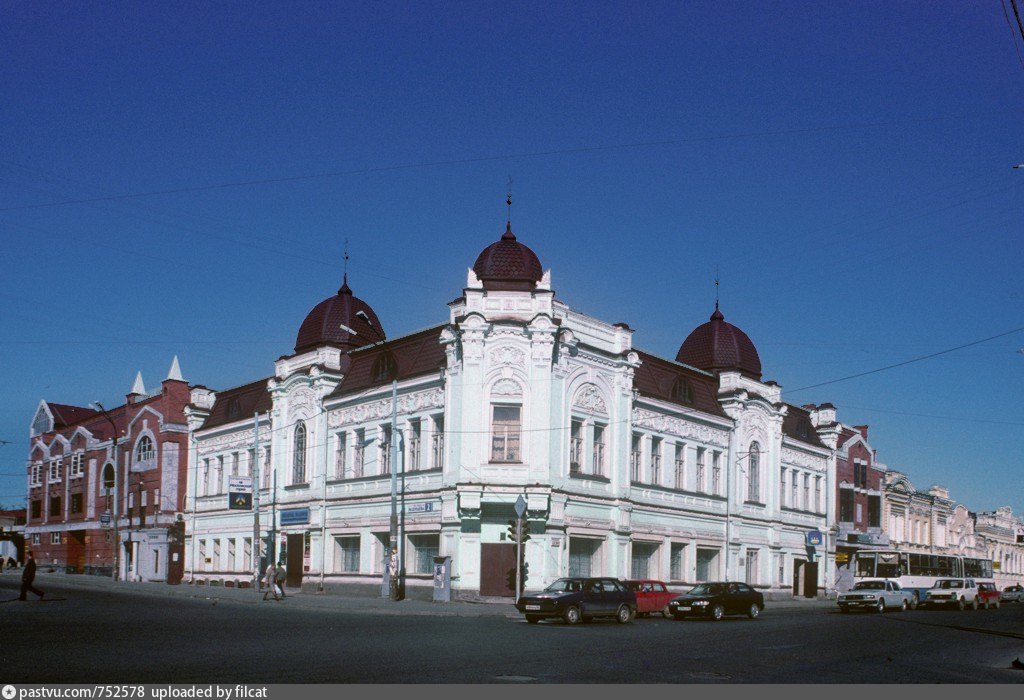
x: 295, y: 516
x: 814, y: 538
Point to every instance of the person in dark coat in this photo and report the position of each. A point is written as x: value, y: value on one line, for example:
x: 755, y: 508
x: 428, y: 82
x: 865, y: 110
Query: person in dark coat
x: 28, y: 576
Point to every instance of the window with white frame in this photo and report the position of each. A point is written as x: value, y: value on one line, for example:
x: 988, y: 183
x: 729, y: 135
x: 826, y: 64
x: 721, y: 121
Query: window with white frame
x: 642, y: 555
x: 218, y: 477
x: 340, y: 446
x: 107, y: 487
x: 35, y: 538
x: 794, y: 487
x: 754, y: 473
x: 54, y: 470
x: 415, y: 445
x: 299, y: 453
x: 202, y: 555
x: 635, y: 459
x: 782, y: 487
x: 716, y: 473
x: 576, y: 447
x: 358, y: 453
x: 267, y: 476
x: 247, y: 554
x: 437, y: 443
x: 506, y: 425
x: 77, y: 465
x: 234, y: 464
x: 216, y: 554
x: 656, y: 460
x: 249, y: 469
x: 807, y: 492
x: 677, y: 559
x: 231, y: 554
x: 54, y: 538
x: 36, y: 478
x: 204, y: 482
x: 817, y: 495
x: 597, y: 466
x: 583, y: 556
x: 424, y: 549
x: 385, y: 449
x: 144, y: 451
x: 701, y: 468
x: 348, y: 554
x: 751, y: 566
x: 707, y: 563
x: 680, y: 466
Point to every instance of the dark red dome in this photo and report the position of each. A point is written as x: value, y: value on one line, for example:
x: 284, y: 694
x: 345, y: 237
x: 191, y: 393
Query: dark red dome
x: 717, y: 346
x: 508, y: 264
x: 334, y: 322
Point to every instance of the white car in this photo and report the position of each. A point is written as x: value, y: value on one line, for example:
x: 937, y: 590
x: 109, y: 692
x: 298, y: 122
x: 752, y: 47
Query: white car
x: 1013, y: 594
x: 958, y: 592
x: 877, y: 595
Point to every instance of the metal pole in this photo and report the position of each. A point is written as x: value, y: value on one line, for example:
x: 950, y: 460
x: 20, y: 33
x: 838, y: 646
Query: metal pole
x: 195, y: 496
x: 393, y: 535
x: 519, y: 555
x: 257, y: 543
x: 114, y: 514
x: 323, y: 510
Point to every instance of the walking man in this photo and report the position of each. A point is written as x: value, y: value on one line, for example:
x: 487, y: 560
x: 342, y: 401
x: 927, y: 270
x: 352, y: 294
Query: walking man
x: 28, y: 576
x: 270, y: 579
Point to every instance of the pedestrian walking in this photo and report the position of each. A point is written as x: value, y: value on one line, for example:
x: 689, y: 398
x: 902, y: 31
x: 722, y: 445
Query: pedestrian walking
x: 270, y: 579
x: 280, y: 577
x: 28, y: 576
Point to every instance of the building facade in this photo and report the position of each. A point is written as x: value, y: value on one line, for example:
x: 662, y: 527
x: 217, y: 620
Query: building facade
x: 916, y: 521
x: 630, y: 465
x: 86, y: 493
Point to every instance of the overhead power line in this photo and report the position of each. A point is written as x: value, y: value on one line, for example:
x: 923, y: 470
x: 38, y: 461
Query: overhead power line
x: 482, y: 159
x: 907, y: 362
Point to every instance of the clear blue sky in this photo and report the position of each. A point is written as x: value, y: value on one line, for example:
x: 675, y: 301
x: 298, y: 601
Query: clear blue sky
x: 846, y: 166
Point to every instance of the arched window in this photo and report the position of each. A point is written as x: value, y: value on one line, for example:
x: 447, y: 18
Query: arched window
x: 299, y: 460
x: 754, y: 473
x: 108, y: 477
x: 144, y: 449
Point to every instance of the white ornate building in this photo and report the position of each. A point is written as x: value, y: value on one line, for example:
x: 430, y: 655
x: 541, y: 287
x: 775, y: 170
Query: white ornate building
x: 631, y: 465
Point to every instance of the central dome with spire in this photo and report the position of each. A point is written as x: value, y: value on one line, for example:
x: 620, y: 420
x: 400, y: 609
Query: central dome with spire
x: 508, y: 265
x: 336, y: 321
x: 717, y: 346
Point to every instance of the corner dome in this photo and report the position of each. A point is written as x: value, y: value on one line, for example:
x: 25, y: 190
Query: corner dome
x: 334, y: 322
x: 508, y: 265
x: 718, y: 346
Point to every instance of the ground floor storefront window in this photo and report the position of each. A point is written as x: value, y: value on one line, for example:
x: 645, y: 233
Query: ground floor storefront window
x: 707, y: 564
x: 583, y: 556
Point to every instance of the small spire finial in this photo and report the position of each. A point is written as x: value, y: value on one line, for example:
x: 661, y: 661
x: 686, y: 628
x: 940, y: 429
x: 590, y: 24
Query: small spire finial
x: 716, y: 287
x: 508, y: 201
x: 344, y: 280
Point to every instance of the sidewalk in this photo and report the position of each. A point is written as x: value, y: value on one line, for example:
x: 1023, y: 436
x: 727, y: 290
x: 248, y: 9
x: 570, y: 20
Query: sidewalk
x: 331, y: 598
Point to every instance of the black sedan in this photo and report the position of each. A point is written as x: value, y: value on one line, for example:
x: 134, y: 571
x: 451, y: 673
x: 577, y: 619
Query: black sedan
x: 580, y: 599
x: 716, y: 600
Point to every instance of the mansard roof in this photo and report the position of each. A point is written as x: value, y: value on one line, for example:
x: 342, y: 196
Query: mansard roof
x: 797, y: 425
x: 676, y: 383
x: 416, y: 354
x: 239, y: 403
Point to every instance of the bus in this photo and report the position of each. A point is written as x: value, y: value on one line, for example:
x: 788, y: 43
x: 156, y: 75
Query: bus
x: 918, y: 572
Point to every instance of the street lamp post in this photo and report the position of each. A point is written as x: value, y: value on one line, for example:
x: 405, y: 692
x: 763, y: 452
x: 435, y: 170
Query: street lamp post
x: 394, y: 560
x: 117, y: 537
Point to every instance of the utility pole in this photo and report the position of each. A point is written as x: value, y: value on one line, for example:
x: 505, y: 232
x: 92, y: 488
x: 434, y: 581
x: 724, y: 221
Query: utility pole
x: 257, y: 543
x: 117, y: 538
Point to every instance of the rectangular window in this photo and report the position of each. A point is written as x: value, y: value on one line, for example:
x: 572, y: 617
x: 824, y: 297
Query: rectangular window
x: 437, y: 443
x: 781, y: 560
x: 247, y: 554
x: 385, y: 449
x: 77, y: 464
x: 716, y: 473
x: 250, y: 463
x: 635, y: 459
x: 218, y: 482
x: 676, y: 561
x: 348, y: 548
x: 817, y: 494
x: 266, y: 468
x: 358, y: 453
x: 680, y: 466
x: 782, y: 488
x: 656, y: 460
x: 54, y: 538
x: 701, y: 468
x: 859, y: 510
x: 202, y: 556
x: 598, y: 465
x: 642, y: 555
x: 807, y: 492
x: 874, y: 511
x: 54, y: 506
x: 76, y: 503
x: 505, y: 434
x: 707, y: 564
x: 415, y: 435
x: 576, y: 447
x: 234, y: 464
x: 793, y: 489
x: 846, y: 505
x: 582, y: 553
x: 216, y: 554
x: 204, y: 483
x: 35, y: 539
x: 37, y: 510
x: 54, y: 470
x: 37, y: 475
x: 425, y: 548
x: 231, y: 554
x: 340, y: 446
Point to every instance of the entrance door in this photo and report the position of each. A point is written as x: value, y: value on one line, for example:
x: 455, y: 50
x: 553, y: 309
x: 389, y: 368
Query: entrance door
x: 811, y: 579
x: 798, y: 576
x: 295, y: 554
x: 496, y: 561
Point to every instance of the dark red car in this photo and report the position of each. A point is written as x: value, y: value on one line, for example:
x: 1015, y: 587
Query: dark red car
x: 988, y: 596
x: 651, y: 596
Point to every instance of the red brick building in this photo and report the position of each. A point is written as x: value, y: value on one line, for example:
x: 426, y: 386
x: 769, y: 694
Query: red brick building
x: 74, y: 477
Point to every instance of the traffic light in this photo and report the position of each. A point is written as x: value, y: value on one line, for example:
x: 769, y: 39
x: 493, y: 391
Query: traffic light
x: 526, y: 575
x: 513, y: 530
x: 510, y: 579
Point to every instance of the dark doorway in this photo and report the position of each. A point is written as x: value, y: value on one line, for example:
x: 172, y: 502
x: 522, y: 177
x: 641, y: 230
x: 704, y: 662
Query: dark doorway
x: 496, y: 561
x: 811, y: 579
x: 295, y: 555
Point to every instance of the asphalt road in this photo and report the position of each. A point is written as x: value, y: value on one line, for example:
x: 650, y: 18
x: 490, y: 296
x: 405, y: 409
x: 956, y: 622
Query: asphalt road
x: 86, y: 635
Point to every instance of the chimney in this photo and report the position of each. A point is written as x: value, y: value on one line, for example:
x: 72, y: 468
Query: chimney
x: 862, y: 429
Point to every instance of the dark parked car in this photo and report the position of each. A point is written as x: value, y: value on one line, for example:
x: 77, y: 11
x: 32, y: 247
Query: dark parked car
x: 718, y: 599
x: 580, y: 599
